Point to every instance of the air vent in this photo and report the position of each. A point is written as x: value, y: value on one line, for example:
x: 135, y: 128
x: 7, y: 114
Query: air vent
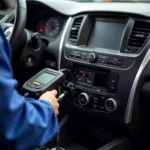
x: 75, y: 30
x: 139, y: 35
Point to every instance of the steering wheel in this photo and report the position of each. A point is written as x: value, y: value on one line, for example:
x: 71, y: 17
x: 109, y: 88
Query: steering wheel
x: 16, y: 32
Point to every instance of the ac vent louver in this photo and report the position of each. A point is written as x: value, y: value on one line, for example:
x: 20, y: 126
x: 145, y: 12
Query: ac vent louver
x: 75, y: 30
x: 138, y: 37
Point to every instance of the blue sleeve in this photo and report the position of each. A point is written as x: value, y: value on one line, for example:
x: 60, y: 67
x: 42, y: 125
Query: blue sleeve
x: 24, y: 123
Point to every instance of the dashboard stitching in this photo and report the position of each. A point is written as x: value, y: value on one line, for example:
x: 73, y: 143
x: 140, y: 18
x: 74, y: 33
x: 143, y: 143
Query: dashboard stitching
x: 128, y: 114
x: 62, y: 42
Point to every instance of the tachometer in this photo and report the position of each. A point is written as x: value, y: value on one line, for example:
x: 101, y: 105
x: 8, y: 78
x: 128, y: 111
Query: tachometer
x: 52, y: 27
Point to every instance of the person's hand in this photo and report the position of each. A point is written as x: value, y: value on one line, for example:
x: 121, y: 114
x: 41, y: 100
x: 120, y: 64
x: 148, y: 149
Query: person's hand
x: 51, y: 97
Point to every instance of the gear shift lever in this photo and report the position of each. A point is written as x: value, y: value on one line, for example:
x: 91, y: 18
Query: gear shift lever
x: 53, y: 145
x: 35, y: 40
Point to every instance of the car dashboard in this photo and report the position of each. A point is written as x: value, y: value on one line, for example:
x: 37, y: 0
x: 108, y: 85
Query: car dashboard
x: 104, y: 45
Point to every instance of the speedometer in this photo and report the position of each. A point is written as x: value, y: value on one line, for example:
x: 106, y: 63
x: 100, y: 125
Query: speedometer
x: 52, y: 27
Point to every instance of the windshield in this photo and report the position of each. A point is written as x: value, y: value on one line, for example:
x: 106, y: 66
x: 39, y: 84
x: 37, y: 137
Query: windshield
x: 111, y: 0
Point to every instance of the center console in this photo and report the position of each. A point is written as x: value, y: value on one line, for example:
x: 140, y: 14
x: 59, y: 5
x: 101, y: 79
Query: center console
x: 93, y: 88
x: 103, y: 53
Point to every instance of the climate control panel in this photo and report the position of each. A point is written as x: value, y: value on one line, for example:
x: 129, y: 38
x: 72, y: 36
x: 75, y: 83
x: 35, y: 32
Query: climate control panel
x: 97, y: 102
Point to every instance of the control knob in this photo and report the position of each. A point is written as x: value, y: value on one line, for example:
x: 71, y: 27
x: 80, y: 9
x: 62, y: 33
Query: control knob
x: 84, y: 99
x: 91, y: 57
x: 111, y: 105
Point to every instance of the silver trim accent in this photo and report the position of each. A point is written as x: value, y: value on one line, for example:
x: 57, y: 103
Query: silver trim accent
x: 128, y: 113
x: 62, y: 41
x: 87, y: 99
x: 115, y: 104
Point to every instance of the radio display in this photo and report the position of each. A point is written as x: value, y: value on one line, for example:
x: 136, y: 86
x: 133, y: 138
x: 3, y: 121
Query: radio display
x: 106, y: 35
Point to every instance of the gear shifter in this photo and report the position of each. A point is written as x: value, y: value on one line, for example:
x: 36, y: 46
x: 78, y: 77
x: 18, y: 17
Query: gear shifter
x: 53, y: 145
x: 35, y: 40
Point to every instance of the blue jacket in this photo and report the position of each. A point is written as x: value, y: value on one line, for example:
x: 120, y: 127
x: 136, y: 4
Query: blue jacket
x: 25, y: 123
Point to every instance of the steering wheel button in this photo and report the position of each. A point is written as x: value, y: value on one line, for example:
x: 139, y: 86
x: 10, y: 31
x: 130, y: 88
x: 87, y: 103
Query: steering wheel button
x: 7, y: 33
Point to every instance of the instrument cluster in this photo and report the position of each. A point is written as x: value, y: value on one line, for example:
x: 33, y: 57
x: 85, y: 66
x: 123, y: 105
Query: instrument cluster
x: 50, y: 27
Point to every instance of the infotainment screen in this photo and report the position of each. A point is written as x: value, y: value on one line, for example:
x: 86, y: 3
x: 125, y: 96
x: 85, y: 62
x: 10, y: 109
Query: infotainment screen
x: 106, y: 35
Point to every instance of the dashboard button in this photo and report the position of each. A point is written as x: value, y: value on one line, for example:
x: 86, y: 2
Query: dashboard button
x: 102, y: 108
x: 94, y: 106
x: 115, y: 61
x: 75, y: 54
x: 112, y: 88
x: 88, y: 81
x: 97, y: 89
x: 84, y: 55
x: 113, y: 82
x: 95, y: 99
x: 102, y: 100
x: 103, y: 97
x: 120, y: 62
x: 103, y: 59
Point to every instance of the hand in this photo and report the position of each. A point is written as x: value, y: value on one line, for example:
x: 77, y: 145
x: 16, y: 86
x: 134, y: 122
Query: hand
x: 51, y: 97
